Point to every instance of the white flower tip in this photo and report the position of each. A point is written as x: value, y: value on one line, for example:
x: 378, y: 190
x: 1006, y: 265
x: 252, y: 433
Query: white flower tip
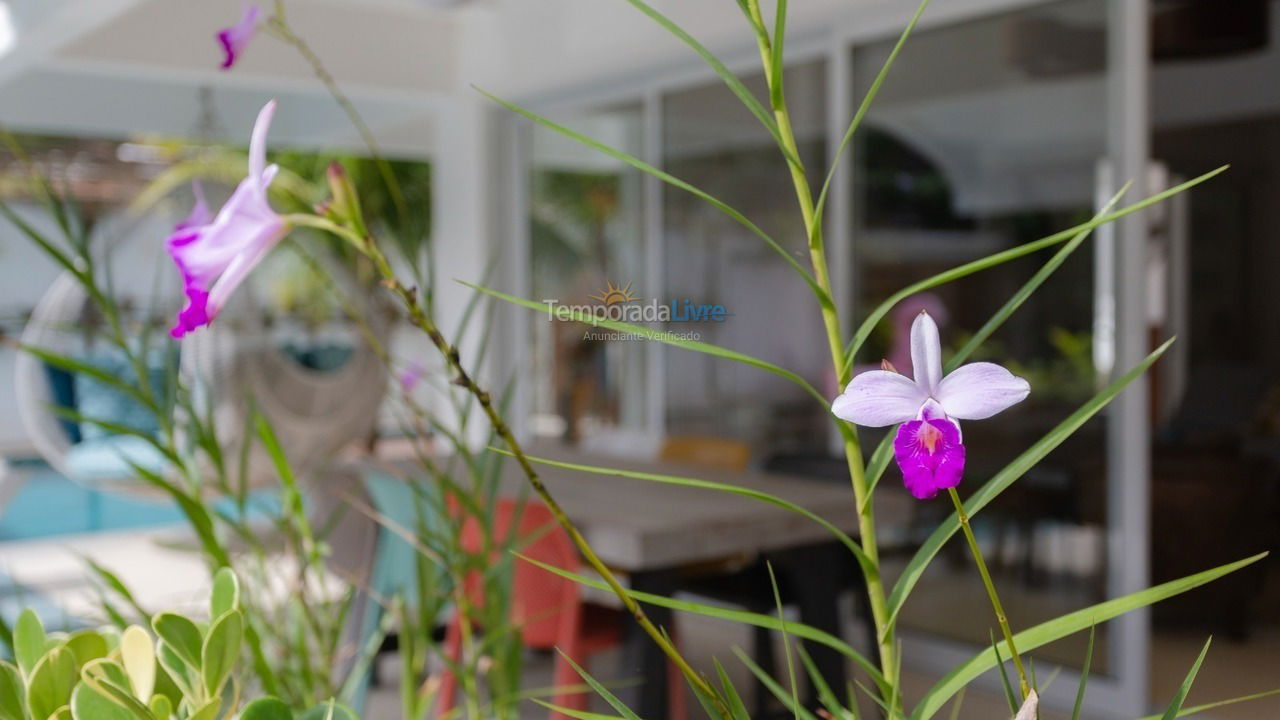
x: 1028, y: 709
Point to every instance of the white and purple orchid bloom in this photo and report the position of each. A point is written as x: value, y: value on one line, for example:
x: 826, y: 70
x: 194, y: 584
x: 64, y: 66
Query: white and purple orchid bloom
x: 929, y: 447
x: 216, y: 254
x: 235, y: 38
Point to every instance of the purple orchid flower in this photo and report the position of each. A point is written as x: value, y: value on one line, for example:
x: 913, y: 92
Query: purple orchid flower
x: 235, y: 38
x: 216, y: 255
x: 929, y: 447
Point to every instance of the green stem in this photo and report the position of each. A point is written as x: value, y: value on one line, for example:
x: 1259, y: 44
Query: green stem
x: 419, y: 318
x: 831, y: 322
x: 991, y: 589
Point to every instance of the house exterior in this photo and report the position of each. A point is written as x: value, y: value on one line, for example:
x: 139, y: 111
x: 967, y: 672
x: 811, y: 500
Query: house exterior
x: 1002, y: 121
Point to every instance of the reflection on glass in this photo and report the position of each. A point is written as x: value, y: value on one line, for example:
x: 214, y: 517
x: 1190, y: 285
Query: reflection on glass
x: 586, y: 230
x: 988, y: 136
x: 711, y: 141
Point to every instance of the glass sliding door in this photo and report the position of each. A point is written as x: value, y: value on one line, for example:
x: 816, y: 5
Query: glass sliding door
x: 586, y: 249
x: 989, y: 134
x: 711, y: 141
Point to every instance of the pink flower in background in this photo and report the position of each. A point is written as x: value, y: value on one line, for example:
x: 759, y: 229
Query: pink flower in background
x: 235, y: 38
x: 411, y: 375
x: 216, y: 255
x: 929, y: 447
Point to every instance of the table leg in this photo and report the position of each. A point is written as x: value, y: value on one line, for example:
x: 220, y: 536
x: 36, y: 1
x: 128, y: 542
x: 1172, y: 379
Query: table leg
x: 641, y: 656
x: 815, y: 578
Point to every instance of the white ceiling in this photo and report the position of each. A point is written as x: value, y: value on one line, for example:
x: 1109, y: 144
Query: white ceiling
x: 117, y: 68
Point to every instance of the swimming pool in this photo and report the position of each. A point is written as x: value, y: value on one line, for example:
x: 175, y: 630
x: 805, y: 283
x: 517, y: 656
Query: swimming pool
x: 48, y: 504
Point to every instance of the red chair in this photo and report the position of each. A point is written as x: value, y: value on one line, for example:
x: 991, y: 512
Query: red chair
x: 548, y: 609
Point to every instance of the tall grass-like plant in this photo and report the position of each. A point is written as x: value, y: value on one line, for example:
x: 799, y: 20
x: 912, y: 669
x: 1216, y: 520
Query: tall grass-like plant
x: 344, y: 218
x: 300, y: 623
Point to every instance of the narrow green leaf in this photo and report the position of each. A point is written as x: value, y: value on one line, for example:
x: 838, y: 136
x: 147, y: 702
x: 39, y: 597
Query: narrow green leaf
x: 76, y: 366
x: 1065, y: 625
x: 868, y: 325
x: 603, y: 692
x: 859, y: 115
x: 662, y: 337
x: 730, y: 80
x: 776, y: 65
x: 823, y: 298
x: 1220, y: 703
x: 825, y: 695
x: 291, y: 499
x: 745, y: 492
x: 738, y: 616
x: 1002, y: 480
x: 772, y: 685
x: 53, y: 251
x: 1004, y: 675
x: 955, y: 706
x: 1084, y: 675
x: 1175, y: 705
x: 736, y: 706
x: 579, y: 714
x: 786, y: 641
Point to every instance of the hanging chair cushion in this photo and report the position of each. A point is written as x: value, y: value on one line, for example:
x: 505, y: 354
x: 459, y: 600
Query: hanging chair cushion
x: 62, y: 391
x: 99, y: 400
x: 111, y: 458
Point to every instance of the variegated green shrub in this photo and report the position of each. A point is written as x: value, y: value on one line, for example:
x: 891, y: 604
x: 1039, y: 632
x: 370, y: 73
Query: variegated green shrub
x: 179, y: 669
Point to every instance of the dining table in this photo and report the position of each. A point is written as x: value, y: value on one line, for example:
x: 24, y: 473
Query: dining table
x: 656, y: 534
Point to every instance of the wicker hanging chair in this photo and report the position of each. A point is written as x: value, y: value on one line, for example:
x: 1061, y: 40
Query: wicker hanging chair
x: 233, y: 367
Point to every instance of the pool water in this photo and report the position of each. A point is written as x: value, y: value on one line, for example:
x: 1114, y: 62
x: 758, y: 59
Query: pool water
x: 48, y: 504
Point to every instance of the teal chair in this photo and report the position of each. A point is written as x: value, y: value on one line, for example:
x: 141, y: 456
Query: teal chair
x: 405, y: 506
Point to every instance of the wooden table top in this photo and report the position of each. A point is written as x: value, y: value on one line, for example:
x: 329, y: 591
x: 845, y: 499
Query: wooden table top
x: 637, y: 525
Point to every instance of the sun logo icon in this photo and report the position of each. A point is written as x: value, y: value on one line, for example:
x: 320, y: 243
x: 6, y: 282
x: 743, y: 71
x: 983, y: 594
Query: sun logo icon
x: 614, y: 295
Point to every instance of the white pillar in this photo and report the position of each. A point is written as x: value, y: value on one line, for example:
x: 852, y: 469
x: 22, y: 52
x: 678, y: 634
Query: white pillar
x: 1128, y: 431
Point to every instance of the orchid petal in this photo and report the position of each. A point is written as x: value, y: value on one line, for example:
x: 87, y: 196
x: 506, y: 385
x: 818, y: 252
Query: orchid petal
x: 980, y: 390
x: 264, y: 239
x: 199, y: 214
x: 926, y: 353
x: 235, y: 38
x: 877, y: 398
x: 258, y: 143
